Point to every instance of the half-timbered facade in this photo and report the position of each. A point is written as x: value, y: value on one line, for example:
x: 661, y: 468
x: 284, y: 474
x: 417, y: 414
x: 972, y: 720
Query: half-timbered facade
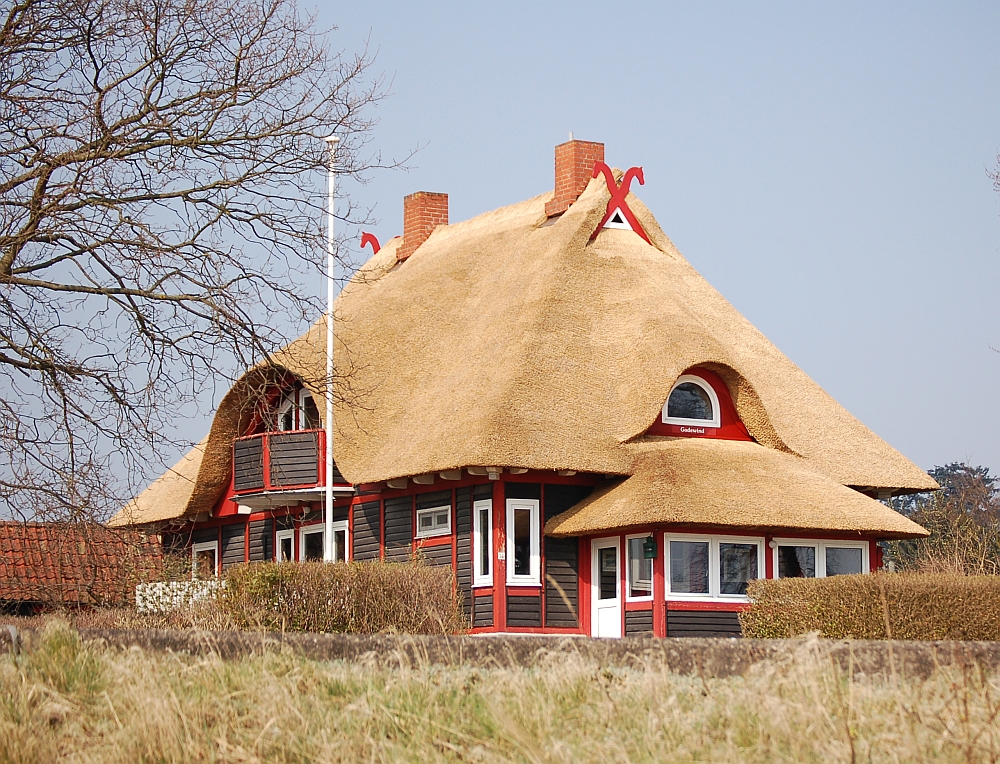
x: 549, y: 400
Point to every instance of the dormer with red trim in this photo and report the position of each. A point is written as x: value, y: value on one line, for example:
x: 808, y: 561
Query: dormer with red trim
x: 700, y: 406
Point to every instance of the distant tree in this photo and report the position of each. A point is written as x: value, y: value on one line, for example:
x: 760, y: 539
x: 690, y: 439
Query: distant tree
x: 963, y: 518
x: 161, y: 190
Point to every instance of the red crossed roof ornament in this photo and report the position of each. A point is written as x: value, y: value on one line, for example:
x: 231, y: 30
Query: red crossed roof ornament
x: 369, y: 238
x: 617, y: 202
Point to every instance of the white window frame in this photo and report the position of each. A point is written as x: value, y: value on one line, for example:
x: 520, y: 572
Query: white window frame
x: 478, y: 578
x: 433, y: 532
x: 342, y: 525
x: 306, y: 530
x: 628, y: 564
x: 534, y: 576
x: 715, y: 421
x: 714, y: 559
x: 287, y: 404
x: 300, y: 411
x: 821, y: 545
x: 203, y: 546
x: 288, y: 533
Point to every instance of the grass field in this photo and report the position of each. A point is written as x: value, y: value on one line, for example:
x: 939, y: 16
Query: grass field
x: 67, y: 701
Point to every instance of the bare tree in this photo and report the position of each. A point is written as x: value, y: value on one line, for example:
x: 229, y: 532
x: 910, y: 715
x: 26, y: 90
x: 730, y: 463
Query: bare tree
x: 160, y: 191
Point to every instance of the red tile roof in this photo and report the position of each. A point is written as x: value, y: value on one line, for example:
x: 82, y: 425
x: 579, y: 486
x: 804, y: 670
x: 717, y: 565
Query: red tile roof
x: 73, y: 563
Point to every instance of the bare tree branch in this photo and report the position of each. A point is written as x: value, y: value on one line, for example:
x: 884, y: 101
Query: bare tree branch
x: 160, y: 199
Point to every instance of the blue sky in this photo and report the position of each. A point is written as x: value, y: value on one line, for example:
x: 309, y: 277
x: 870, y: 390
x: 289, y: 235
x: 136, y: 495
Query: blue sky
x: 823, y: 165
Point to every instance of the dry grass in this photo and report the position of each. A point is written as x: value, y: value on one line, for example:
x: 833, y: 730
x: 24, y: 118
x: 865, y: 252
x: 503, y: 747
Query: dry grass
x: 67, y: 701
x: 885, y: 605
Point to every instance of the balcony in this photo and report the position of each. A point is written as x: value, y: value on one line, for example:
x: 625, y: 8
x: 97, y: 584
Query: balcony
x: 277, y: 469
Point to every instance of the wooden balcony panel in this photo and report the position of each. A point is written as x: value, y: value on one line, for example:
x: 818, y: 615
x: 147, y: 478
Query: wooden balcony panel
x: 248, y: 464
x: 294, y: 459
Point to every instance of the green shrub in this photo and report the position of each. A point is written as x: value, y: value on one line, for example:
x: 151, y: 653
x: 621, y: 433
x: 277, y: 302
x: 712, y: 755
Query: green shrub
x: 357, y: 597
x: 885, y: 605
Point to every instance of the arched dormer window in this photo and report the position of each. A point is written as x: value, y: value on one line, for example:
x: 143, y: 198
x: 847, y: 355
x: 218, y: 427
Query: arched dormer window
x: 297, y: 410
x: 692, y: 401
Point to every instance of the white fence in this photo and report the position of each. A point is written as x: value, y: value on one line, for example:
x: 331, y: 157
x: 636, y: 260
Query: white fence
x: 163, y: 596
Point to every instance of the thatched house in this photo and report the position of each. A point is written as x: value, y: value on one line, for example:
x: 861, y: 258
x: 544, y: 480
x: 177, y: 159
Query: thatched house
x: 549, y: 399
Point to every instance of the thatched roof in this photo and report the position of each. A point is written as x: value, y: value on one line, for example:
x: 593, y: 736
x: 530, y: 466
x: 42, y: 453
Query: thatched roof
x: 503, y: 341
x: 722, y: 483
x: 512, y: 340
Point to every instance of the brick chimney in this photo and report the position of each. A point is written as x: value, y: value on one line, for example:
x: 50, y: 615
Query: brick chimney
x: 422, y: 213
x: 574, y: 169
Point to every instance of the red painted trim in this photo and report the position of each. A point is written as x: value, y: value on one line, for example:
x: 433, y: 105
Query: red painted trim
x: 454, y: 547
x: 524, y: 591
x: 708, y: 606
x: 500, y: 571
x: 874, y: 556
x: 541, y: 551
x: 585, y: 573
x: 659, y: 589
x: 432, y: 541
x: 731, y: 428
x: 640, y: 605
x: 381, y: 529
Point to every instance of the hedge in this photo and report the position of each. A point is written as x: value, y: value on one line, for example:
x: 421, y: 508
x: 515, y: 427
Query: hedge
x: 880, y: 606
x: 358, y: 597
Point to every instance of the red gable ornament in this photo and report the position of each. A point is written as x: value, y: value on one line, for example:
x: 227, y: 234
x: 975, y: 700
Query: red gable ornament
x: 617, y: 202
x: 369, y: 238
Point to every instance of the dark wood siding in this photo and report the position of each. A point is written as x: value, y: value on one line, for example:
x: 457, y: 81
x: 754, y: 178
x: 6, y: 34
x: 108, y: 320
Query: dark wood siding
x: 261, y: 540
x: 436, y: 499
x: 524, y: 611
x: 439, y: 554
x: 398, y: 528
x: 702, y: 623
x: 483, y: 611
x: 201, y: 535
x: 562, y: 583
x: 284, y: 522
x: 638, y: 623
x: 174, y: 543
x: 341, y: 513
x: 522, y: 490
x: 366, y: 536
x: 463, y: 549
x: 562, y: 565
x: 233, y: 544
x: 294, y: 458
x: 248, y: 464
x: 559, y: 498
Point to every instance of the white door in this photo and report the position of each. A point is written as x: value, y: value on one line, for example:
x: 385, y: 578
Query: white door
x: 605, y: 585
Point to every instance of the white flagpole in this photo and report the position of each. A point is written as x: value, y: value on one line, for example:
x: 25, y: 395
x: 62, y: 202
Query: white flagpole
x: 328, y: 547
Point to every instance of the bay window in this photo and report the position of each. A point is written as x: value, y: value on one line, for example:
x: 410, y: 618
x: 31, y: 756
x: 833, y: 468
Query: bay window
x: 709, y: 568
x: 639, y: 570
x: 799, y: 558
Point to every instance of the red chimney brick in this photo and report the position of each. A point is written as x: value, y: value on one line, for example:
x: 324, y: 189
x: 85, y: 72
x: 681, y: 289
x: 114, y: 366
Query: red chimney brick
x: 574, y: 169
x: 422, y: 213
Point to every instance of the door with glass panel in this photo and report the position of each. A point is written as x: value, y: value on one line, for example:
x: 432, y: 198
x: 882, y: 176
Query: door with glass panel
x: 605, y: 585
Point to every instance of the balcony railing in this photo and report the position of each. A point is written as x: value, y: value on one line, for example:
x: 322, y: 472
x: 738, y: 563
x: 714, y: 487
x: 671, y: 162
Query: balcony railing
x: 281, y: 461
